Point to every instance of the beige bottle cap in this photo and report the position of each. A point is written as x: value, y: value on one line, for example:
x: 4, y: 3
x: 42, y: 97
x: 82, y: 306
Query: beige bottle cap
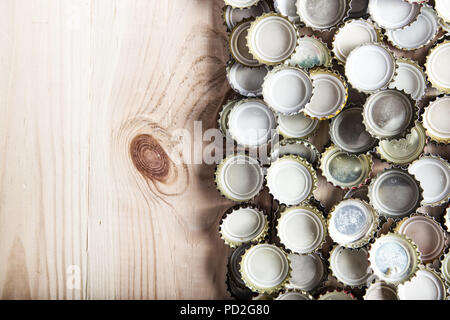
x: 245, y: 80
x: 239, y: 177
x: 352, y: 223
x: 302, y: 229
x: 330, y: 94
x: 443, y: 9
x: 310, y: 52
x: 238, y: 44
x: 445, y: 268
x: 241, y: 3
x: 433, y: 173
x: 381, y: 291
x: 426, y: 233
x: 348, y: 132
x: 350, y: 266
x: 233, y: 16
x: 351, y: 35
x: 344, y: 170
x: 296, y: 147
x: 296, y: 126
x: 287, y: 89
x: 394, y: 193
x: 294, y: 295
x: 272, y: 38
x: 244, y: 224
x: 394, y: 258
x: 435, y: 119
x: 287, y: 8
x: 389, y: 114
x: 418, y: 34
x: 337, y: 295
x: 322, y: 14
x: 393, y: 14
x: 308, y: 271
x: 291, y: 180
x: 425, y: 285
x: 410, y: 78
x: 265, y: 268
x: 251, y: 123
x: 437, y: 66
x: 405, y: 150
x: 370, y: 77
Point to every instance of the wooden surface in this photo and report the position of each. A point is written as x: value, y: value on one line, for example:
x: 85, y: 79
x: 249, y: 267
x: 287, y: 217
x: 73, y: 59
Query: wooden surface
x: 90, y: 185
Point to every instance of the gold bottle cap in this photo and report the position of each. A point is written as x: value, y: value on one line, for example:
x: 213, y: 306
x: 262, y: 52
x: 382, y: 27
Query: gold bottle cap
x: 287, y: 8
x: 389, y: 114
x: 241, y: 3
x: 245, y: 80
x: 232, y: 16
x: 445, y: 268
x: 244, y: 224
x: 294, y: 295
x: 370, y: 77
x: 435, y: 119
x: 394, y: 258
x: 330, y: 94
x: 302, y: 229
x: 291, y: 180
x: 265, y: 268
x: 393, y: 14
x: 418, y: 34
x: 437, y: 66
x: 308, y: 271
x: 426, y: 233
x: 272, y: 38
x: 297, y: 125
x: 433, y: 173
x: 443, y: 9
x: 287, y: 89
x: 410, y: 78
x: 381, y: 291
x: 350, y: 266
x: 351, y: 35
x: 322, y: 14
x: 238, y: 44
x: 337, y: 295
x: 352, y: 223
x: 425, y: 285
x: 310, y: 52
x: 239, y: 177
x: 296, y: 147
x: 395, y: 193
x: 344, y: 170
x: 404, y: 150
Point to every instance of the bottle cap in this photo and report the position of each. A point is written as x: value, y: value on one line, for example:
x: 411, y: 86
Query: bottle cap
x: 381, y: 291
x: 418, y: 34
x: 233, y: 16
x: 322, y: 14
x: 350, y: 266
x: 265, y: 268
x: 344, y: 170
x: 359, y: 8
x: 351, y: 35
x: 238, y: 44
x: 348, y: 132
x: 437, y: 66
x: 245, y: 80
x: 393, y: 14
x: 389, y: 114
x: 243, y: 224
x: 236, y: 291
x: 435, y: 119
x: 404, y: 150
x: 425, y: 285
x: 443, y: 9
x: 302, y: 229
x: 370, y: 77
x: 287, y: 8
x: 291, y: 180
x: 433, y: 174
x: 445, y: 268
x: 330, y: 94
x: 251, y: 123
x: 337, y: 295
x: 410, y: 78
x: 352, y: 223
x: 297, y: 125
x: 294, y: 295
x: 234, y: 265
x: 287, y: 89
x: 426, y: 233
x: 394, y: 258
x: 394, y: 193
x: 308, y: 271
x: 310, y: 52
x: 296, y: 147
x: 239, y: 178
x: 223, y: 116
x: 272, y: 38
x: 241, y: 3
